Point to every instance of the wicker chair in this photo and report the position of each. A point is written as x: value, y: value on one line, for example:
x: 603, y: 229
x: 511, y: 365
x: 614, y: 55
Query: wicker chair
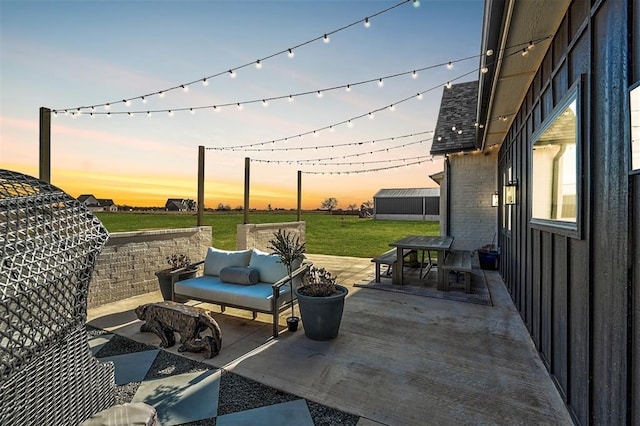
x: 49, y: 243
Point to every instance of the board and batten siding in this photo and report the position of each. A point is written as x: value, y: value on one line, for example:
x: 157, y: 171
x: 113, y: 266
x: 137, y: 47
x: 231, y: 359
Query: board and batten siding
x: 575, y: 293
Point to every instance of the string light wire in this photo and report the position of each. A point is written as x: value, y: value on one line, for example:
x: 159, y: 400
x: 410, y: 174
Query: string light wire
x: 288, y: 51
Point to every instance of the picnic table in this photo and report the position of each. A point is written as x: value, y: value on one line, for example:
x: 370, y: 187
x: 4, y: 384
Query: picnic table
x: 440, y: 244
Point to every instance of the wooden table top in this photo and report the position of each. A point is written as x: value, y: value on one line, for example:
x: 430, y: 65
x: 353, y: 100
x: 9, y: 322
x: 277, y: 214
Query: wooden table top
x: 424, y: 242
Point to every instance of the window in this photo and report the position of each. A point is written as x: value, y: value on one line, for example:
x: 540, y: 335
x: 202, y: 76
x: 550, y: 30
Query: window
x: 555, y: 186
x: 634, y: 103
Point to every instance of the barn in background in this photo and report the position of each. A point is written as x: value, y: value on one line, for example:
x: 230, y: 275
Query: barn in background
x: 407, y: 204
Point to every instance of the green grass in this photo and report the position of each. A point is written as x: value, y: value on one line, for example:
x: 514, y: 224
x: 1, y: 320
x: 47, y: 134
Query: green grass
x: 326, y: 234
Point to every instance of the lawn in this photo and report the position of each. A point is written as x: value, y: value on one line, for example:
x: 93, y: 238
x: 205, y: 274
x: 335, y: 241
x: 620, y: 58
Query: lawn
x: 326, y: 234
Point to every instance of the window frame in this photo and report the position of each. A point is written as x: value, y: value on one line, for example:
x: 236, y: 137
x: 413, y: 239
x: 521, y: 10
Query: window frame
x: 567, y: 228
x: 632, y: 171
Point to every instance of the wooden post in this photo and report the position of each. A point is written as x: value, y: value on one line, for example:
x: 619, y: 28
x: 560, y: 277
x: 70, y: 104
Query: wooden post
x: 45, y: 144
x: 299, y: 194
x: 200, y: 185
x: 247, y: 165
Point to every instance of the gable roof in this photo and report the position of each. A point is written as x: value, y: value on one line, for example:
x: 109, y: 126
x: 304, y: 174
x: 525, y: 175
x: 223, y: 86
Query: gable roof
x: 407, y: 193
x: 456, y: 130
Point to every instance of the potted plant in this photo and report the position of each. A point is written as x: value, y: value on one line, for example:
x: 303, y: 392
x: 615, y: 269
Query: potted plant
x: 290, y: 250
x: 321, y: 302
x: 165, y: 276
x: 488, y: 255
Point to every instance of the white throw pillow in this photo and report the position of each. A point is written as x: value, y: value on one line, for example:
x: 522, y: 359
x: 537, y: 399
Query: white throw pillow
x: 217, y: 259
x: 269, y: 266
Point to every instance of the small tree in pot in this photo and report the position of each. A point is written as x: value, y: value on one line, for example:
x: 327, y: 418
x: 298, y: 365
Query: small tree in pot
x: 288, y: 247
x: 321, y: 302
x: 166, y: 277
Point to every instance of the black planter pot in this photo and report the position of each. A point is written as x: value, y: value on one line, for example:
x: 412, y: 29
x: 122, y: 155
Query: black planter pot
x: 164, y: 281
x: 292, y: 323
x: 321, y: 316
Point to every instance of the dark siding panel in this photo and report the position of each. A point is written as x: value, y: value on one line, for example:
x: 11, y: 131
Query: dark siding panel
x: 546, y: 290
x: 559, y: 361
x: 636, y: 302
x: 535, y: 290
x: 610, y: 215
x: 579, y: 326
x: 432, y: 205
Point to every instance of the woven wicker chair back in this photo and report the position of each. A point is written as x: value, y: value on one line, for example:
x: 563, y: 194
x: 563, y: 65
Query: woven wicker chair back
x: 49, y: 243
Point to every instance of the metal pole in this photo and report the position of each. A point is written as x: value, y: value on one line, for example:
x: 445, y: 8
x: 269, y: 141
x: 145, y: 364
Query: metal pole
x: 200, y: 185
x: 299, y: 194
x: 247, y: 165
x: 45, y: 144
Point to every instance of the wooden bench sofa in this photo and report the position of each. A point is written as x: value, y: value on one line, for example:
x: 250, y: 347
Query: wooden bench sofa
x: 246, y: 279
x: 460, y: 263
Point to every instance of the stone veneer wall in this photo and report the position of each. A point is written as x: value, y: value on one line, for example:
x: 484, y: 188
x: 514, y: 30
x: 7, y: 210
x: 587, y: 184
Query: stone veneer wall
x: 126, y: 266
x: 258, y: 235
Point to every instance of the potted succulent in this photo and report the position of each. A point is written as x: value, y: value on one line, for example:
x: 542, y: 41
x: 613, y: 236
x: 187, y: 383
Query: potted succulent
x: 290, y: 250
x: 165, y: 276
x: 321, y: 302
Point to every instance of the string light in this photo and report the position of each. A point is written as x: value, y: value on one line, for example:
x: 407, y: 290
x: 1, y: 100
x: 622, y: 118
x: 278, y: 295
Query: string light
x: 170, y: 113
x: 449, y: 65
x: 348, y: 88
x: 367, y: 24
x: 380, y: 83
x: 392, y: 107
x: 192, y: 111
x: 161, y: 94
x: 205, y: 82
x: 232, y: 73
x: 258, y: 64
x: 291, y: 54
x: 419, y: 96
x: 319, y: 93
x: 371, y: 116
x: 448, y: 85
x: 142, y: 98
x: 290, y: 98
x: 185, y: 89
x: 265, y: 103
x: 127, y: 102
x: 484, y: 70
x: 414, y: 75
x: 326, y: 39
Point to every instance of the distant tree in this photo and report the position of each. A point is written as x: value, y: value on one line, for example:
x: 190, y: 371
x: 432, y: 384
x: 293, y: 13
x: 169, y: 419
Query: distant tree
x: 269, y: 207
x: 351, y: 207
x: 329, y: 204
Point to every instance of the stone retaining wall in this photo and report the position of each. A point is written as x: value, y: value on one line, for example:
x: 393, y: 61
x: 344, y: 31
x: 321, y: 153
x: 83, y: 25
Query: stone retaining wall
x: 258, y: 235
x: 126, y: 266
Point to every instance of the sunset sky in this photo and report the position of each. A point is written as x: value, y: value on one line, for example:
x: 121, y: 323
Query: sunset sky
x: 71, y: 54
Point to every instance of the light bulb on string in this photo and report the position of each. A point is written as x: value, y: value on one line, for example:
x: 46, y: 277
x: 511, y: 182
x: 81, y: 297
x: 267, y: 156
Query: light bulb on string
x: 265, y: 103
x: 291, y: 54
x: 205, y: 82
x: 489, y: 52
x: 448, y: 85
x: 290, y: 98
x: 484, y: 70
x: 419, y: 96
x: 531, y: 45
x: 460, y: 131
x: 392, y: 107
x: 367, y: 24
x: 326, y: 39
x: 92, y: 115
x: 129, y: 113
x: 524, y: 52
x: 127, y: 102
x: 414, y: 75
x: 185, y: 89
x: 348, y: 88
x: 453, y: 128
x: 350, y: 123
x: 161, y: 94
x: 331, y: 129
x: 449, y: 65
x: 239, y: 105
x: 106, y: 106
x: 109, y: 115
x: 371, y: 116
x: 148, y: 113
x: 170, y: 113
x: 143, y: 99
x: 380, y: 83
x: 319, y: 94
x: 232, y: 74
x: 258, y: 64
x: 192, y: 111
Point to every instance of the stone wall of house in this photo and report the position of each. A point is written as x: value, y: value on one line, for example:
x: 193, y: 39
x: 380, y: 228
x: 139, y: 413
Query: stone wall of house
x: 472, y: 181
x: 258, y: 235
x: 127, y: 264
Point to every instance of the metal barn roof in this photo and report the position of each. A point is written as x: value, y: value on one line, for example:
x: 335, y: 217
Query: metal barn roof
x: 407, y: 193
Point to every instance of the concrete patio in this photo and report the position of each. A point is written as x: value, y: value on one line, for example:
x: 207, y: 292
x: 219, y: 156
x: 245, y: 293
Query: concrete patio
x: 400, y: 359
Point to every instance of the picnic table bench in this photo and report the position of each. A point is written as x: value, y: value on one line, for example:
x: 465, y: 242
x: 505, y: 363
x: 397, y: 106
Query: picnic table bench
x: 387, y: 258
x: 460, y: 263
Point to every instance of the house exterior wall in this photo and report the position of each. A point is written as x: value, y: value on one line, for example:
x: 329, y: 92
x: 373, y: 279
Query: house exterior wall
x: 127, y: 265
x: 471, y: 219
x: 573, y: 290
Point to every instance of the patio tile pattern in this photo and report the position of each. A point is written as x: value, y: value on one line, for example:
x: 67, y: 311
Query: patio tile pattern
x: 186, y: 392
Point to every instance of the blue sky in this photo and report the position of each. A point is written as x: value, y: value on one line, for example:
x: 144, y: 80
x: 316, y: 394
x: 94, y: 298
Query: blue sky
x: 67, y: 54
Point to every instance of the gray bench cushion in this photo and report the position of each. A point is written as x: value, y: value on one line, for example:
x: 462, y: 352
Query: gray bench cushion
x: 257, y: 296
x: 239, y: 275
